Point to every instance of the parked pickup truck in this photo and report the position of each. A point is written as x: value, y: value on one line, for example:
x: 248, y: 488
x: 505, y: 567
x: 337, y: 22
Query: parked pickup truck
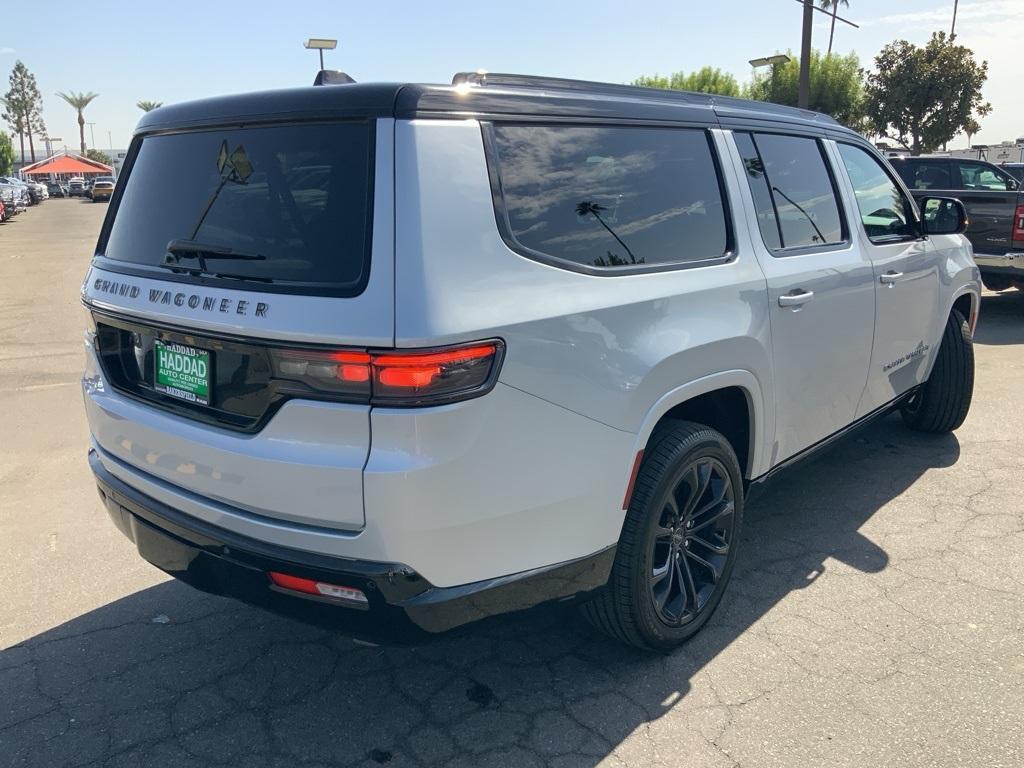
x: 995, y: 204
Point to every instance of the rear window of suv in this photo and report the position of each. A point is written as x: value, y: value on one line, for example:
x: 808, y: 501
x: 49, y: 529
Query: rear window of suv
x: 284, y: 207
x: 609, y: 198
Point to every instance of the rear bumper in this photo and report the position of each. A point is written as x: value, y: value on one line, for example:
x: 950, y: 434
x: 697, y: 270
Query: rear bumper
x: 1008, y: 263
x: 401, y: 606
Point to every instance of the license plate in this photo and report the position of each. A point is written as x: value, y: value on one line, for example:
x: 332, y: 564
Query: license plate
x: 182, y: 372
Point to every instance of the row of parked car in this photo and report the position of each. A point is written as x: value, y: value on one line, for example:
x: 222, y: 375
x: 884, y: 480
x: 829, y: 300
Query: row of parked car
x: 17, y: 195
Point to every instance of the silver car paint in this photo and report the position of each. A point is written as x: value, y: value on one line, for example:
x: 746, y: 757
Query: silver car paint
x: 533, y: 473
x: 605, y: 347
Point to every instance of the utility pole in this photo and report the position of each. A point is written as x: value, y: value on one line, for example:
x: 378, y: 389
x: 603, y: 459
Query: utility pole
x: 952, y: 29
x: 92, y: 134
x: 804, y: 97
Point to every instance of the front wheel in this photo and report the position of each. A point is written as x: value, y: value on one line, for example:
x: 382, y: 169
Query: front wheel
x: 942, y: 402
x: 678, y: 543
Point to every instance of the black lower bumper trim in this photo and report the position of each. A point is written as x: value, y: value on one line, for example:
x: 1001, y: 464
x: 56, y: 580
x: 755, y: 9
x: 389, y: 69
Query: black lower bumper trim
x: 402, y: 605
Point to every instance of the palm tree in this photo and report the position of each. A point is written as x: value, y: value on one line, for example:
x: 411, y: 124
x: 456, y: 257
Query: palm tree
x: 79, y: 101
x: 588, y: 208
x: 148, y: 106
x: 833, y: 5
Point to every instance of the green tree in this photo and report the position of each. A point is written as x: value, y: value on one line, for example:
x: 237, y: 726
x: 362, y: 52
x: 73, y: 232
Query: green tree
x: 837, y: 86
x: 704, y: 80
x: 79, y: 101
x: 98, y: 155
x: 833, y: 5
x: 6, y: 154
x: 23, y: 106
x: 923, y: 97
x: 148, y: 106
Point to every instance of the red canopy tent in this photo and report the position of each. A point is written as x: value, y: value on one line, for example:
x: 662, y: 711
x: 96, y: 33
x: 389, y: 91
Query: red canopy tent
x: 66, y: 165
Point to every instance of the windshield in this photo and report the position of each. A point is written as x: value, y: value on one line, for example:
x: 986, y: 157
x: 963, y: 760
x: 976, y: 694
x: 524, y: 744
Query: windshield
x: 296, y: 195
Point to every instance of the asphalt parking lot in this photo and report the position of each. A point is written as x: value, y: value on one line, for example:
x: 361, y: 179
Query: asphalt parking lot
x: 875, y: 617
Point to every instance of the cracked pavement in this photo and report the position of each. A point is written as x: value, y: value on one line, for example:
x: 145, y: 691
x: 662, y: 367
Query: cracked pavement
x: 875, y: 616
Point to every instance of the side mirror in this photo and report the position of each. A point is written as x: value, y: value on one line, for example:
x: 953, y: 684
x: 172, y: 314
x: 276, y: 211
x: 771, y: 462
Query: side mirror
x: 943, y: 216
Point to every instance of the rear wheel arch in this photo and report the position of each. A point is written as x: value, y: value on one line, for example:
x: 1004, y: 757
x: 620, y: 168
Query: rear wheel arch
x: 730, y: 402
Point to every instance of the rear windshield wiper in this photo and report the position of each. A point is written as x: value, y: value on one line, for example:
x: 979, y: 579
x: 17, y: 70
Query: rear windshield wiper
x: 189, y: 249
x: 200, y: 271
x: 192, y: 249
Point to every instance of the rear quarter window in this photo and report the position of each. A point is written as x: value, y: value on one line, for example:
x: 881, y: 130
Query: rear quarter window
x: 291, y: 202
x: 609, y: 198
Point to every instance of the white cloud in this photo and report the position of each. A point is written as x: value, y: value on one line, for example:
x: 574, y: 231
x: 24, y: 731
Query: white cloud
x: 6, y: 51
x: 967, y: 14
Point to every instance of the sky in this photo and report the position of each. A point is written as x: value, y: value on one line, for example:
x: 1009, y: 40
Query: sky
x: 186, y: 50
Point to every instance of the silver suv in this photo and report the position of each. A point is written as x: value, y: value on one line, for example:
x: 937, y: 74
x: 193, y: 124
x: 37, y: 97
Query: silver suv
x: 399, y: 357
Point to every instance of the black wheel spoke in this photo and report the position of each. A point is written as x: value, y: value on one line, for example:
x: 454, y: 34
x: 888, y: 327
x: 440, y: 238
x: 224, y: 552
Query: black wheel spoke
x: 701, y: 480
x: 659, y: 574
x: 718, y: 547
x: 689, y: 586
x: 712, y: 569
x: 710, y: 515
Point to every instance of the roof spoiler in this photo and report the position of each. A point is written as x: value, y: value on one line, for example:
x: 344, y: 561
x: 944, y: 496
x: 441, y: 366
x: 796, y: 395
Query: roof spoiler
x: 332, y: 77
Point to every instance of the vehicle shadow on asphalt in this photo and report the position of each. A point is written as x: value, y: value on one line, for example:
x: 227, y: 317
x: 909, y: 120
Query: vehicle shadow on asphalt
x: 1001, y: 318
x: 170, y: 676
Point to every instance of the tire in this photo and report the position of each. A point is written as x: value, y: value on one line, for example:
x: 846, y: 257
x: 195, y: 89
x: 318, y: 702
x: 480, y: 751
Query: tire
x: 636, y: 607
x: 942, y: 402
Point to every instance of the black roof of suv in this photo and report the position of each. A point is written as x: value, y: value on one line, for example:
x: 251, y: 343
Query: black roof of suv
x: 482, y: 95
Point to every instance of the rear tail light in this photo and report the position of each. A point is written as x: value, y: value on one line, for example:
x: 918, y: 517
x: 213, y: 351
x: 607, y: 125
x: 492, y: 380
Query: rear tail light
x: 395, y: 377
x: 1018, y: 223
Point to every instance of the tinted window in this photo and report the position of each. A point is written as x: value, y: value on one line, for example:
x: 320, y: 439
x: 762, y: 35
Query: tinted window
x: 295, y: 199
x: 884, y: 210
x: 1017, y: 171
x: 763, y: 205
x: 611, y: 197
x: 801, y: 187
x: 980, y: 176
x: 928, y: 176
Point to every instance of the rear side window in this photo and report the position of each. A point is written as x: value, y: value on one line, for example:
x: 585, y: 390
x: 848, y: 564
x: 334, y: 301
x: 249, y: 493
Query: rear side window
x: 282, y: 206
x: 886, y: 213
x: 801, y: 188
x: 610, y: 198
x: 927, y: 175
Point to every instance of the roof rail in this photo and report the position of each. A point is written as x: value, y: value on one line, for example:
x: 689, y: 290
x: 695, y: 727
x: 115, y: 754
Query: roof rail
x: 482, y: 78
x: 564, y: 84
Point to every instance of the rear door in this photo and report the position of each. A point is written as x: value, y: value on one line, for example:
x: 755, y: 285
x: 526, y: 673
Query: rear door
x: 234, y: 265
x: 990, y: 195
x: 906, y: 274
x: 820, y: 288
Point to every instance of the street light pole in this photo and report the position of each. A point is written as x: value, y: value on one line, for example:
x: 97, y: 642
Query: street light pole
x: 92, y: 134
x: 804, y: 97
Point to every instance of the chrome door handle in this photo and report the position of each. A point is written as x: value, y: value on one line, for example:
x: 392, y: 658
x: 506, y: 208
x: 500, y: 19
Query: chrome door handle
x: 890, y: 277
x: 795, y: 299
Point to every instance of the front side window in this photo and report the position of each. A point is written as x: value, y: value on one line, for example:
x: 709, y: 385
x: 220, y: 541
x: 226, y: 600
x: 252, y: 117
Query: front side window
x: 884, y: 209
x: 980, y: 176
x: 610, y: 197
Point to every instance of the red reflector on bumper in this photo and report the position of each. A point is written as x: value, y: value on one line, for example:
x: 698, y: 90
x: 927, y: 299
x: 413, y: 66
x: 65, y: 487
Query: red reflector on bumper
x: 318, y: 588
